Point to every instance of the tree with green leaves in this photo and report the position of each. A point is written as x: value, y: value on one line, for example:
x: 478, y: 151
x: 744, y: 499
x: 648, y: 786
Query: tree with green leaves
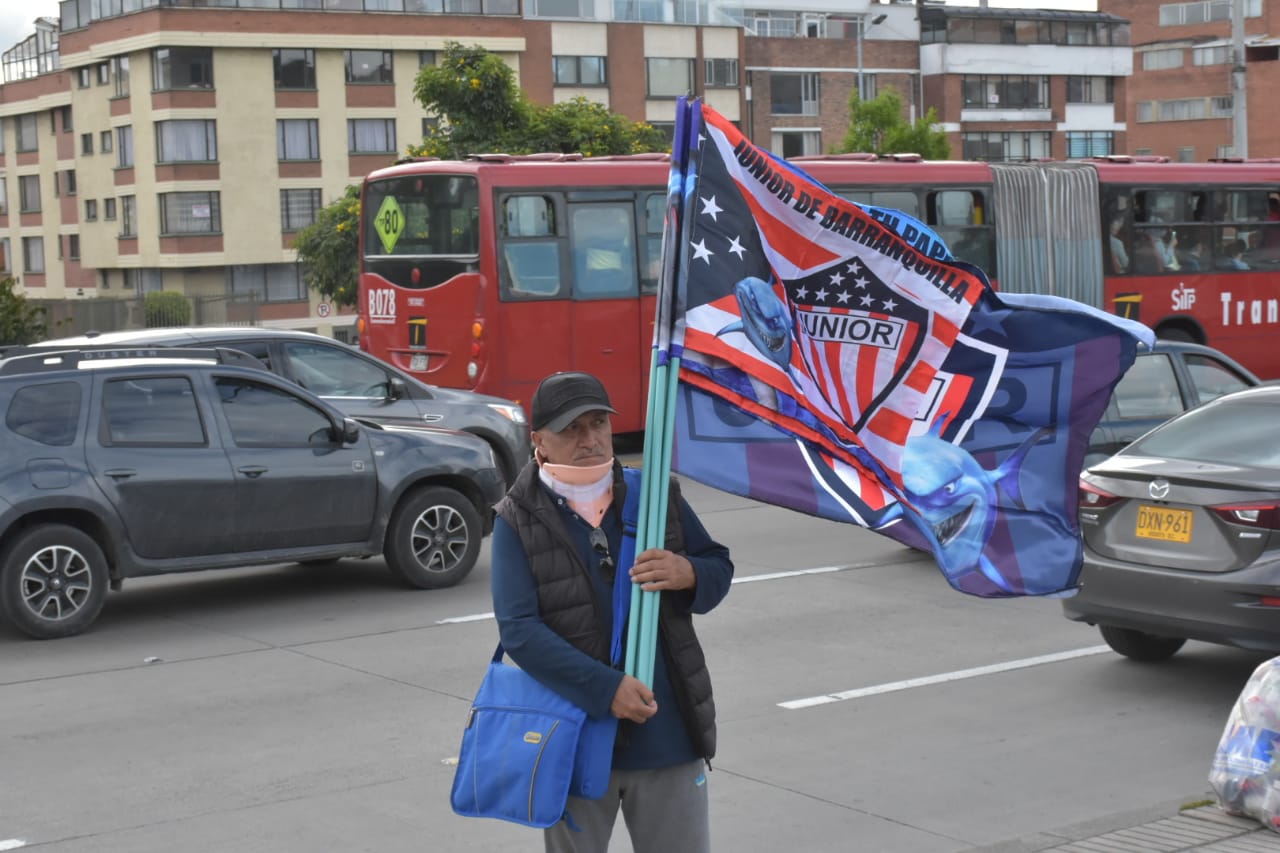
x: 20, y: 322
x: 329, y: 249
x: 877, y: 127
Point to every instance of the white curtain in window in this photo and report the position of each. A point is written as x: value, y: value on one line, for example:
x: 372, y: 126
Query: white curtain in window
x: 187, y: 141
x: 371, y: 136
x: 298, y: 139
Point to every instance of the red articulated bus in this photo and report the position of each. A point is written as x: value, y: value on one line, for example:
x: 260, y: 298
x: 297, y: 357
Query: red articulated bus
x: 492, y: 272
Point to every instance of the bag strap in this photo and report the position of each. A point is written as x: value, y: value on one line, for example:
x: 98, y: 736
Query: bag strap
x: 622, y: 577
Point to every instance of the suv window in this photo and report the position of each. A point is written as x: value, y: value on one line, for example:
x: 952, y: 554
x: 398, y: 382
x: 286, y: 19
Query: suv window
x: 47, y: 413
x: 329, y: 371
x: 157, y: 410
x: 262, y: 416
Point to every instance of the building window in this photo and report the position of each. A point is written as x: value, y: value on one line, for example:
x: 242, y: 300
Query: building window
x: 1089, y: 143
x: 368, y: 66
x: 128, y: 216
x: 104, y: 73
x: 1090, y: 90
x: 793, y: 94
x: 295, y: 68
x: 90, y: 210
x: 1221, y: 106
x: 186, y: 141
x: 182, y: 67
x: 1005, y: 92
x: 1007, y: 147
x: 109, y: 209
x: 29, y: 193
x: 33, y: 254
x: 190, y: 213
x: 86, y: 143
x: 1146, y: 110
x: 720, y: 73
x: 5, y: 265
x: 1157, y: 60
x: 1182, y: 109
x: 1187, y: 154
x: 1, y: 135
x: 73, y: 246
x: 69, y: 181
x: 1219, y: 55
x: 124, y: 146
x: 65, y: 113
x: 426, y: 57
x: 4, y: 197
x: 371, y: 136
x: 25, y: 130
x: 669, y: 78
x: 268, y: 282
x: 868, y: 92
x: 297, y: 139
x: 120, y: 72
x: 1203, y: 11
x: 796, y: 143
x: 104, y: 142
x: 579, y: 70
x: 298, y: 208
x: 84, y: 77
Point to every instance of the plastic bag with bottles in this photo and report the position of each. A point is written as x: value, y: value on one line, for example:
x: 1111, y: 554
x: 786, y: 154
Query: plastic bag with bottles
x: 1246, y: 768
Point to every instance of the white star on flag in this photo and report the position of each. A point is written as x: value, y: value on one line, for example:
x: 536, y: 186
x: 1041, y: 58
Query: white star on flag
x: 836, y: 278
x: 860, y: 282
x: 843, y: 296
x: 802, y: 293
x: 821, y: 295
x: 700, y: 250
x: 866, y: 301
x: 736, y: 248
x: 710, y: 207
x: 889, y: 304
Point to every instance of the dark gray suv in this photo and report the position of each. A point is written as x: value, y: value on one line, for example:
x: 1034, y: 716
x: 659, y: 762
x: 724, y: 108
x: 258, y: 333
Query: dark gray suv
x: 119, y: 463
x: 354, y: 382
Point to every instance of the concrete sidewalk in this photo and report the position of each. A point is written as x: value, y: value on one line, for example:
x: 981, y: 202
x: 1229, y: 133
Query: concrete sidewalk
x: 1168, y: 828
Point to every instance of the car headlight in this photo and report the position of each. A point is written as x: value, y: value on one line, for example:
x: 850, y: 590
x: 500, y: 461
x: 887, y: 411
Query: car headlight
x: 514, y: 413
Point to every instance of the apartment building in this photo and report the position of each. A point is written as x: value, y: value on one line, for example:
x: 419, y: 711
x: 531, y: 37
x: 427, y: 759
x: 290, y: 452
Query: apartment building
x: 182, y: 146
x: 1018, y: 84
x: 804, y: 60
x: 1181, y: 97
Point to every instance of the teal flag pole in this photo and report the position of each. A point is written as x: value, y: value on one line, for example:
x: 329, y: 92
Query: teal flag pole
x: 642, y: 627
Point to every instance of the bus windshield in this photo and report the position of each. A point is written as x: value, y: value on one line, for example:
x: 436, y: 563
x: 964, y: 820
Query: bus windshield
x: 422, y: 216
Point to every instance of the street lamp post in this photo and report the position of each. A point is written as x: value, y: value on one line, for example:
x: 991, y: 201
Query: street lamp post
x: 862, y: 25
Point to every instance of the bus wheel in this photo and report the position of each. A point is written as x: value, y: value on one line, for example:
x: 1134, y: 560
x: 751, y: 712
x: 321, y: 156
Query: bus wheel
x: 1176, y: 333
x: 433, y: 539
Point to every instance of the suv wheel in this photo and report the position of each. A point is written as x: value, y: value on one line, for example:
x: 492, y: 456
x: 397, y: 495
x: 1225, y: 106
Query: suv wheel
x: 53, y: 581
x: 433, y: 539
x: 1147, y: 648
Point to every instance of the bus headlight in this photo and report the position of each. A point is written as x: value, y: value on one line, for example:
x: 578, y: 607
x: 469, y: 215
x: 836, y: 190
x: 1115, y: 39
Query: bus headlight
x: 472, y: 370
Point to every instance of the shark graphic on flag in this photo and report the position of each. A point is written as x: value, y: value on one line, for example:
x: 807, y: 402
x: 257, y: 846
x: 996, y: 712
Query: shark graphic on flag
x: 833, y: 358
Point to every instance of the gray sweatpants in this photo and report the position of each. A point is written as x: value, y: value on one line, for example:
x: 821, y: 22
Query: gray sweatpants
x: 665, y: 812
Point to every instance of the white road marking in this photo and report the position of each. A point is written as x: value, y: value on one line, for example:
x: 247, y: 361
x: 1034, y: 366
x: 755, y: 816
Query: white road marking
x: 12, y: 844
x: 771, y: 576
x: 958, y: 675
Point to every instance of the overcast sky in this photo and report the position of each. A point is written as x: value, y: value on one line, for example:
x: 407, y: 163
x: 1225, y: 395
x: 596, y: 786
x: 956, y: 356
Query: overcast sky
x: 16, y: 16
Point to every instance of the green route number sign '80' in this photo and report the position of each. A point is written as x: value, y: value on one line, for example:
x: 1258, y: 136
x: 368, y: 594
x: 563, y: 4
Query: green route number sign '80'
x: 389, y: 223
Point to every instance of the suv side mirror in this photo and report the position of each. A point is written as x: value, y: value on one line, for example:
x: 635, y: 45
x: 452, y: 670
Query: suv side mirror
x: 396, y: 388
x: 350, y: 431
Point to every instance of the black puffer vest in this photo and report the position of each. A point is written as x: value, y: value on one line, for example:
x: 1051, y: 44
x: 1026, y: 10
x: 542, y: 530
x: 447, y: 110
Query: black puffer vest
x: 568, y: 605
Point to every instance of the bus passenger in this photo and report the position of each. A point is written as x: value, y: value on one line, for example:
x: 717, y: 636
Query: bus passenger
x: 1119, y: 254
x: 1231, y: 256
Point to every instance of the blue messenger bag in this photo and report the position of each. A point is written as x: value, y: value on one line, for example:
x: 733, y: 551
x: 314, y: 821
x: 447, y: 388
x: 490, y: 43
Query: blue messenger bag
x: 526, y: 749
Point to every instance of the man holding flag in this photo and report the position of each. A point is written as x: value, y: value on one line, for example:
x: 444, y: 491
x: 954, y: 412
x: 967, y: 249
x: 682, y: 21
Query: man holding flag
x: 560, y: 582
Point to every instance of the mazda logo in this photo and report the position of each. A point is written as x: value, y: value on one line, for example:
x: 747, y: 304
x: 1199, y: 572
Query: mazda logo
x: 1158, y: 489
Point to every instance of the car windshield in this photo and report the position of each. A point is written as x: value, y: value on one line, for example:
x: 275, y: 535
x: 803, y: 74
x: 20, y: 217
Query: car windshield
x: 1233, y: 431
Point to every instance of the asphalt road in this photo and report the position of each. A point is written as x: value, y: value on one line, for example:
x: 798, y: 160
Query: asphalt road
x: 287, y: 709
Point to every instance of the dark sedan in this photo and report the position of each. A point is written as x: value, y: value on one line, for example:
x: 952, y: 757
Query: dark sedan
x: 1164, y: 381
x: 1182, y: 533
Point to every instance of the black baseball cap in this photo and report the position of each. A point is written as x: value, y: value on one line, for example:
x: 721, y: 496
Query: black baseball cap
x: 561, y: 397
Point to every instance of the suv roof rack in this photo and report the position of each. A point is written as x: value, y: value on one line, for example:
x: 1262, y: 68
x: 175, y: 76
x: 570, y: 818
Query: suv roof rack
x: 41, y: 359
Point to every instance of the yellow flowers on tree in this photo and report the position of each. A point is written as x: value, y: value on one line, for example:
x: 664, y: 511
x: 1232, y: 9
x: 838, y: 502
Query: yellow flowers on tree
x: 329, y: 249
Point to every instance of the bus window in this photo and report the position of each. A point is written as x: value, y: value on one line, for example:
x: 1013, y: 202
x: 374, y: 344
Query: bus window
x: 958, y: 218
x: 904, y: 200
x: 602, y: 244
x: 530, y: 255
x: 655, y: 211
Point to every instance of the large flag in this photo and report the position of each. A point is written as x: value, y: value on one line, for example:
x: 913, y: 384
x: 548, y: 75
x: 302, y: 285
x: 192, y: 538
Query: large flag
x: 834, y: 359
